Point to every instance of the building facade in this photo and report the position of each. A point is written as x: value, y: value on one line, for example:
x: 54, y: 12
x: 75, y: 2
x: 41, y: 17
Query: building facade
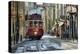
x: 17, y: 21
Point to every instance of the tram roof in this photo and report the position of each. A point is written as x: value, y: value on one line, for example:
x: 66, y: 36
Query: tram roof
x: 34, y: 17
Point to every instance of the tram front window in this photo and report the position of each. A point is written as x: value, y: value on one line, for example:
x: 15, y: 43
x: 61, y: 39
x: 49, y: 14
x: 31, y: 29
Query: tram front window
x: 40, y: 24
x: 36, y: 25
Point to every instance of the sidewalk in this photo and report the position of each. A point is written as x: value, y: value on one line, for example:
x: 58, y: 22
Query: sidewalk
x: 69, y: 44
x: 71, y: 41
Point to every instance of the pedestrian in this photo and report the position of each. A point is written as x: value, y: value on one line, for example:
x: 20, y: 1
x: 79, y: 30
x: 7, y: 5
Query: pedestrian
x: 62, y: 31
x: 20, y: 38
x: 66, y: 32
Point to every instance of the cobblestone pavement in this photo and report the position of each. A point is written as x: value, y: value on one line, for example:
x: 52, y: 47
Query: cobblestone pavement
x: 46, y: 44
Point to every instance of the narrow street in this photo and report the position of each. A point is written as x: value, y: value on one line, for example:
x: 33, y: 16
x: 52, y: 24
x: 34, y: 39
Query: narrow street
x: 43, y: 27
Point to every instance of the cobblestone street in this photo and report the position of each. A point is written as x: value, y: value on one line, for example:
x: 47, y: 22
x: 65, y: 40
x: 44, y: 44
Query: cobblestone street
x: 46, y: 44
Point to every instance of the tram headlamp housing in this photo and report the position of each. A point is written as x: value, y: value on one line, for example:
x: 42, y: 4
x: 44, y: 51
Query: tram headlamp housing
x: 35, y: 33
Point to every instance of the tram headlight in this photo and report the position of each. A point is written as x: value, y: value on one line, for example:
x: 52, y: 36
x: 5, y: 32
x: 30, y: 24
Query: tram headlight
x: 35, y: 33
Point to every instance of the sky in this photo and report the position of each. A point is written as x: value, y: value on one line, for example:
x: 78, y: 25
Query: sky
x: 34, y: 10
x: 37, y: 10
